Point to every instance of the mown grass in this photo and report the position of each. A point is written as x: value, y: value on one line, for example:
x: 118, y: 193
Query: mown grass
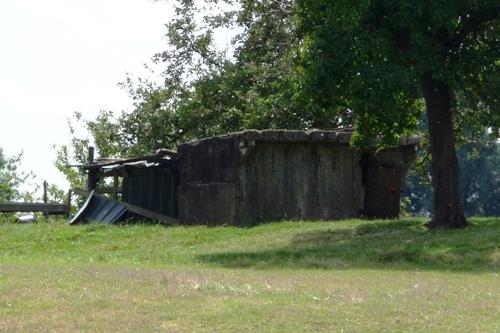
x: 351, y: 276
x: 404, y: 244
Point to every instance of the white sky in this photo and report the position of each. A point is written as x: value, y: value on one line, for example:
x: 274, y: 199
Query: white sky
x: 61, y: 56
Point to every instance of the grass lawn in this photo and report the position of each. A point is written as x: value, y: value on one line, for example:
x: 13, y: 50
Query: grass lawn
x: 344, y: 276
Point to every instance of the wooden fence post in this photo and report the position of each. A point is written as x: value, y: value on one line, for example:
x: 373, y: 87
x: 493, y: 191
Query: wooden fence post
x: 69, y: 202
x: 45, y: 187
x: 91, y: 174
x: 90, y: 155
x: 115, y: 185
x: 45, y: 195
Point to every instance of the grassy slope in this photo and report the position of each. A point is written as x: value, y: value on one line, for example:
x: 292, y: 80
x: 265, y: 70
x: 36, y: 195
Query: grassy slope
x: 346, y: 276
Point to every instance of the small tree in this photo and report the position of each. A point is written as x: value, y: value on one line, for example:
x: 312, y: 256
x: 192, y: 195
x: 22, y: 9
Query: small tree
x: 381, y: 58
x: 478, y: 160
x: 11, y: 178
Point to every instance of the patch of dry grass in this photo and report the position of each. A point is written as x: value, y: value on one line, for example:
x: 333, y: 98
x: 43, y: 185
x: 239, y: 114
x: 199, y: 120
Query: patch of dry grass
x: 90, y: 298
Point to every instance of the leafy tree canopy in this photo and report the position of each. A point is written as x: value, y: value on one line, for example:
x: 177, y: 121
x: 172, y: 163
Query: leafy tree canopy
x: 301, y: 64
x: 368, y: 56
x: 208, y: 88
x: 479, y: 179
x: 11, y: 178
x: 383, y: 59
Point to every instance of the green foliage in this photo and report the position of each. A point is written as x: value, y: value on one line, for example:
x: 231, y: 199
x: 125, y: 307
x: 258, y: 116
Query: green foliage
x: 73, y: 153
x: 479, y: 180
x: 208, y: 88
x: 12, y: 178
x: 56, y: 194
x: 368, y: 56
x: 307, y: 64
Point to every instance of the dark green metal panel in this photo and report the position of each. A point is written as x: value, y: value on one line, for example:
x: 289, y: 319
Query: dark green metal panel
x: 99, y: 209
x: 156, y: 192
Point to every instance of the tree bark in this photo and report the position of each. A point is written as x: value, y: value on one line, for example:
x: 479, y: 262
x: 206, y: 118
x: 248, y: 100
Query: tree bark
x: 448, y: 210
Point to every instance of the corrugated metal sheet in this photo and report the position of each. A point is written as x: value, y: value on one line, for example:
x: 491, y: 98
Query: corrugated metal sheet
x: 156, y: 192
x: 99, y: 209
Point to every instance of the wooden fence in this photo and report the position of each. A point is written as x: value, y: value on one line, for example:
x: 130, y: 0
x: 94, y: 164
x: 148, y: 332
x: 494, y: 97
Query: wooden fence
x: 45, y: 207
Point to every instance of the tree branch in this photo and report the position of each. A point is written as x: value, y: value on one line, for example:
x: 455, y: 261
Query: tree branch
x: 473, y: 22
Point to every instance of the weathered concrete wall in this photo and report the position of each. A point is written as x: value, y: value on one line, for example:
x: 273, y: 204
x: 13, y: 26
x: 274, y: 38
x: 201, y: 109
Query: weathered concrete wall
x: 211, y: 204
x: 213, y: 160
x: 209, y: 181
x: 383, y: 177
x: 254, y: 176
x: 382, y: 183
x: 288, y: 180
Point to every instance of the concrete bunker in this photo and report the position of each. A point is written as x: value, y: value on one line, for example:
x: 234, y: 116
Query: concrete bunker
x: 254, y: 176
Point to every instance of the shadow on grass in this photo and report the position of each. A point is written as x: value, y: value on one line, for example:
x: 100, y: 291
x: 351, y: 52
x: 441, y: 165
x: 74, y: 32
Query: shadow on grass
x: 379, y: 244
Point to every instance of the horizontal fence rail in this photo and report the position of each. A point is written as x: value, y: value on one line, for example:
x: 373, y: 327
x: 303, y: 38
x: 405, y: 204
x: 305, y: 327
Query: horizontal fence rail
x: 24, y: 207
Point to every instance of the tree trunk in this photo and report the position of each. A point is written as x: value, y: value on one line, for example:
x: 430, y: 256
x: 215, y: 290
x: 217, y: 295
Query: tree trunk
x: 448, y: 210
